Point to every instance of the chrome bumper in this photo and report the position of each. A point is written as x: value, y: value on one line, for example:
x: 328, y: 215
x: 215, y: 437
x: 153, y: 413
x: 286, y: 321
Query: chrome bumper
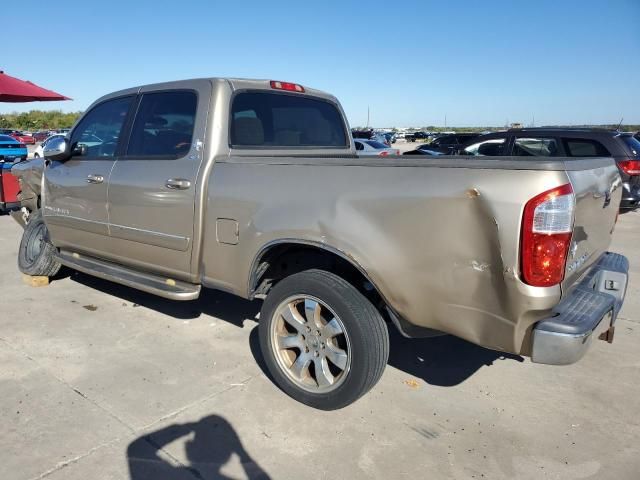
x: 589, y: 311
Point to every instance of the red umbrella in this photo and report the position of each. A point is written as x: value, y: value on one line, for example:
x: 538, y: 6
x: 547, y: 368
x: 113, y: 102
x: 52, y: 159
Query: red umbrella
x: 16, y: 90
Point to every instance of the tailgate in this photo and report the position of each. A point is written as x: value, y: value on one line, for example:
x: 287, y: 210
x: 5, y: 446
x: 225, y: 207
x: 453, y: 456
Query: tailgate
x: 597, y: 192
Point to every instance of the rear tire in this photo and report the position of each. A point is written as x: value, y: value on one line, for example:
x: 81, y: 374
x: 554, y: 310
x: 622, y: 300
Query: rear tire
x: 36, y: 256
x: 323, y: 342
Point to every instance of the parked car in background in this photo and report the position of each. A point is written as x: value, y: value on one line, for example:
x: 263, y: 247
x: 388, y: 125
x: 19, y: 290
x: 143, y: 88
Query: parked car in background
x: 11, y: 150
x: 373, y: 147
x: 390, y: 137
x: 424, y: 150
x: 41, y: 135
x: 415, y: 136
x: 364, y: 133
x: 568, y: 142
x: 23, y: 137
x: 451, y: 143
x: 38, y: 153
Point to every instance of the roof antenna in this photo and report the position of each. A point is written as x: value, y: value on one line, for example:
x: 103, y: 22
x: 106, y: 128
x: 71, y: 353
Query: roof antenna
x: 619, y: 125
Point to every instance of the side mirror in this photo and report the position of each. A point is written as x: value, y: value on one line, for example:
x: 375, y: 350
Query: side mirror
x: 57, y: 149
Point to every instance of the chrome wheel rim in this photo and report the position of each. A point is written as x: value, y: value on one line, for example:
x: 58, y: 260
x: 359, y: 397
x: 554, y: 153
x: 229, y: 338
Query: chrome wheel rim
x: 310, y: 344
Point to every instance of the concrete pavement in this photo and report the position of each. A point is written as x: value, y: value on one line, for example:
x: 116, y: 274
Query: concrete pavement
x: 100, y: 381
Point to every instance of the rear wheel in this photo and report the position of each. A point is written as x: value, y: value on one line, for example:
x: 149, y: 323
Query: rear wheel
x: 36, y: 256
x: 323, y: 342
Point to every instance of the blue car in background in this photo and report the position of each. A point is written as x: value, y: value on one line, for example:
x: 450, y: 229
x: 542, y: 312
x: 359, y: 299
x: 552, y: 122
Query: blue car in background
x: 11, y: 150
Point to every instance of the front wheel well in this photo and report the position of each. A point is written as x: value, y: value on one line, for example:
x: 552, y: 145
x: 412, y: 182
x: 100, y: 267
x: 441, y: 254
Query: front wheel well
x: 285, y: 259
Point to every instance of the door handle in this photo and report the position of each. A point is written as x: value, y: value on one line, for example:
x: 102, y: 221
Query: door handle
x: 178, y: 184
x: 95, y: 178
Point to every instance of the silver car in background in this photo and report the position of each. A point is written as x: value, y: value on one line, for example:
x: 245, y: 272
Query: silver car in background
x: 372, y: 147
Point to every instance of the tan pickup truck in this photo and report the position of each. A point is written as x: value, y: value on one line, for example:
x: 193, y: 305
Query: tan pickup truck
x: 254, y: 187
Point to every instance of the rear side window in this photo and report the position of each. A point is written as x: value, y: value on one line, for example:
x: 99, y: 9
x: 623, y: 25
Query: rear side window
x: 583, y: 147
x: 374, y: 144
x: 632, y: 143
x: 535, y: 147
x: 264, y: 119
x: 164, y: 125
x: 491, y: 147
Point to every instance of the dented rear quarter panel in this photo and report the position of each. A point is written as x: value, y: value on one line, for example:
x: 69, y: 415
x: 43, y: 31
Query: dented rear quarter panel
x: 439, y: 241
x: 29, y: 174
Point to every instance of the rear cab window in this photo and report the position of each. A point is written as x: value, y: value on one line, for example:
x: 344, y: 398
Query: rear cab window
x: 263, y: 119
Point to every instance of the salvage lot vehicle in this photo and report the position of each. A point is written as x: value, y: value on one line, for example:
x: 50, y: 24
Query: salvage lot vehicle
x: 569, y: 142
x: 255, y: 187
x: 373, y: 147
x: 23, y: 137
x: 11, y: 151
x: 38, y: 153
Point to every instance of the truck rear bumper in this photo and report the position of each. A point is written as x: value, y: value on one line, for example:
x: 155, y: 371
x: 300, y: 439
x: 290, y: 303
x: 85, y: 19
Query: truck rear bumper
x: 589, y: 311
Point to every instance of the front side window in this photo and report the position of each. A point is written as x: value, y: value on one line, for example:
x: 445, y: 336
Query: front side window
x: 164, y: 124
x: 583, y: 147
x: 492, y: 147
x: 98, y: 133
x: 535, y: 147
x: 275, y: 120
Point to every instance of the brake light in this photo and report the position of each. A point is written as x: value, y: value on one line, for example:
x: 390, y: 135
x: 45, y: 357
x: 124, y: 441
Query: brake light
x: 290, y: 87
x: 630, y: 167
x: 383, y: 153
x: 547, y: 226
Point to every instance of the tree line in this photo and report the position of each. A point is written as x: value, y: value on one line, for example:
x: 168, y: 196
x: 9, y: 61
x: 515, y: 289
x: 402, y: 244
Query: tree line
x: 38, y: 120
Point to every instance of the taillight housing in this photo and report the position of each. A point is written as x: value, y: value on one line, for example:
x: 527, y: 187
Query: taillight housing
x: 383, y: 153
x: 630, y: 167
x: 547, y: 226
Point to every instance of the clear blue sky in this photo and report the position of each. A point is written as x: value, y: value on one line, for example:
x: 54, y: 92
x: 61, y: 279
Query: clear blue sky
x: 412, y: 62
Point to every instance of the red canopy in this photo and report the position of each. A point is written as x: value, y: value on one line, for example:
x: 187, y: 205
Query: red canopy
x: 16, y: 90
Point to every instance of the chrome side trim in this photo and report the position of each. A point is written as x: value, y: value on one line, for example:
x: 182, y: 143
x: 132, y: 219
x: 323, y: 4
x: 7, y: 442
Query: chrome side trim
x: 77, y: 223
x: 149, y: 237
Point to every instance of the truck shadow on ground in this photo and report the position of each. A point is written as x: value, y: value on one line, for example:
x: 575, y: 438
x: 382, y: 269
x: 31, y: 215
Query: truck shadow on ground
x: 227, y: 307
x: 209, y: 446
x: 444, y: 361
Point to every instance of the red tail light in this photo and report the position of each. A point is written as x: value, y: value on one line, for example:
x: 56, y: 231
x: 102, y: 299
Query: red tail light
x: 384, y: 153
x: 290, y: 87
x: 630, y: 167
x: 547, y: 225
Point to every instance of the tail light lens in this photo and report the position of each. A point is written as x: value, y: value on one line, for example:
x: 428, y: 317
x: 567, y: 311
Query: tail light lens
x: 383, y: 153
x: 630, y: 167
x: 547, y: 226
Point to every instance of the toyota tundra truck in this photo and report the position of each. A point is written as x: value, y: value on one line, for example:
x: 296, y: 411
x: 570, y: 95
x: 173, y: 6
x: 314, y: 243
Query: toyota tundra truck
x: 254, y: 187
